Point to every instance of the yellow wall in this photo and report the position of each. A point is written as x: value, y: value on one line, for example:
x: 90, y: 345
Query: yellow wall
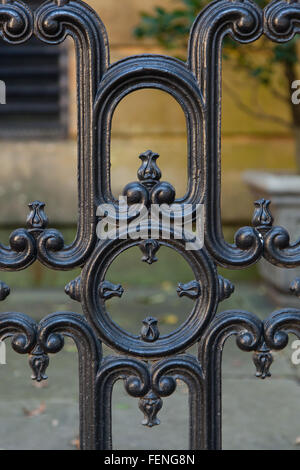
x: 146, y: 119
x: 150, y: 119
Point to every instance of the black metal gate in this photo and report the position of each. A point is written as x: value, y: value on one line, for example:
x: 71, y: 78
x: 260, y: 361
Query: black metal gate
x: 149, y: 364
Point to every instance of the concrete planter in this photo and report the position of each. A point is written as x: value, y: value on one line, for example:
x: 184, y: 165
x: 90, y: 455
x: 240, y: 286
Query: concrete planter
x: 284, y: 192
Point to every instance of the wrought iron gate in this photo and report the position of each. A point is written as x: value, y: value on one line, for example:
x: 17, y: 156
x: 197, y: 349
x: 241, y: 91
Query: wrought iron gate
x: 149, y: 364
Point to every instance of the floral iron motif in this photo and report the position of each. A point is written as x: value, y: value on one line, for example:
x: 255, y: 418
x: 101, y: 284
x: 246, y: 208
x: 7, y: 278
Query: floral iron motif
x: 262, y: 218
x: 192, y: 290
x: 107, y: 290
x: 149, y: 248
x: 150, y: 405
x: 149, y: 331
x: 38, y: 362
x: 226, y: 288
x: 149, y: 189
x: 72, y: 289
x: 149, y: 173
x: 37, y: 220
x: 263, y: 359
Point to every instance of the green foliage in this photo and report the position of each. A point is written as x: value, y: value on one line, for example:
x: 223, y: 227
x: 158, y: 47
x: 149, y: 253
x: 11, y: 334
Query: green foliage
x: 171, y: 29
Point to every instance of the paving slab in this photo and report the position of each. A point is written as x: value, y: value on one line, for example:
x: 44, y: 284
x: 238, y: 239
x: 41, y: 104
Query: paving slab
x: 257, y: 414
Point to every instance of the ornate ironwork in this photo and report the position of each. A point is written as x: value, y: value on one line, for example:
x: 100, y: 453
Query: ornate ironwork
x: 149, y: 331
x: 263, y: 360
x: 149, y: 363
x: 150, y: 406
x: 191, y: 289
x: 38, y: 362
x: 149, y: 249
x: 149, y: 189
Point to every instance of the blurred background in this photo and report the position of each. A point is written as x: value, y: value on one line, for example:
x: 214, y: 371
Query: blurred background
x: 260, y: 133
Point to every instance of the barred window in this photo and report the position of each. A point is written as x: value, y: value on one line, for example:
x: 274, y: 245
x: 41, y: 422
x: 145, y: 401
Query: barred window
x: 36, y: 79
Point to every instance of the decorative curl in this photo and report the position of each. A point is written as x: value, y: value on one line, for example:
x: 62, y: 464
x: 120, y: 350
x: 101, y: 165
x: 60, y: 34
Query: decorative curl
x: 21, y: 328
x: 241, y: 19
x: 135, y: 374
x: 278, y: 325
x: 136, y: 193
x: 162, y: 193
x: 20, y: 253
x: 16, y: 22
x: 19, y: 240
x: 247, y: 249
x: 53, y: 24
x: 53, y: 343
x: 164, y: 386
x: 246, y: 340
x: 282, y: 20
x: 184, y: 367
x: 53, y: 327
x: 246, y: 326
x: 50, y: 240
x: 51, y: 247
x: 48, y: 23
x: 246, y: 238
x: 278, y: 251
x: 135, y: 386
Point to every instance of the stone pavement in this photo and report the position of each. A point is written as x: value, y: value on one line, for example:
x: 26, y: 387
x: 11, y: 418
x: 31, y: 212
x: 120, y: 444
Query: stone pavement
x: 257, y: 414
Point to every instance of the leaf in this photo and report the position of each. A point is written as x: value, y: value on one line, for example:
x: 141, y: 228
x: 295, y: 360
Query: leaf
x: 171, y: 29
x: 152, y: 299
x: 169, y: 319
x: 36, y: 411
x: 122, y: 406
x: 76, y: 443
x: 167, y: 286
x: 157, y: 298
x: 160, y: 10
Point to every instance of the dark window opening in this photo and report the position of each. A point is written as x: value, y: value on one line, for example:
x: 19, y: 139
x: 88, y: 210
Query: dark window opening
x: 36, y: 79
